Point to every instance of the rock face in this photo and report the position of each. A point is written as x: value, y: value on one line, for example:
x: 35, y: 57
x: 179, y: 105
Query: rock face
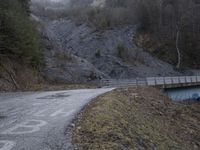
x: 98, y: 3
x: 65, y: 67
x: 70, y: 69
x: 78, y: 53
x: 93, y: 55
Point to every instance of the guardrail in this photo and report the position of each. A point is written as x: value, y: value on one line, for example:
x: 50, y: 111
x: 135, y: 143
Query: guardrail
x: 154, y: 81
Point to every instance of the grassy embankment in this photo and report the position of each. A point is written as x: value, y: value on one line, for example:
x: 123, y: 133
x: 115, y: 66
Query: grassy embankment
x: 138, y: 119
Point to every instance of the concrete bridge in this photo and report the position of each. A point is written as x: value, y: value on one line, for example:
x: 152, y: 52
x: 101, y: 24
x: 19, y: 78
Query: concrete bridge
x: 164, y: 82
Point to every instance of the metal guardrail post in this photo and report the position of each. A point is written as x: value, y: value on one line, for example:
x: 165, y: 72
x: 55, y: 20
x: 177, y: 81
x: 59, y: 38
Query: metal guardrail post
x: 172, y: 81
x: 136, y: 82
x: 179, y: 80
x: 164, y: 81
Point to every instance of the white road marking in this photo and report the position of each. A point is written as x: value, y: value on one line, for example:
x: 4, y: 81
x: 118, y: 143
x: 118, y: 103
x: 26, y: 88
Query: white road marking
x: 28, y: 126
x: 7, y: 123
x: 62, y: 112
x: 31, y: 112
x: 40, y: 113
x: 77, y: 99
x: 7, y: 145
x: 36, y: 104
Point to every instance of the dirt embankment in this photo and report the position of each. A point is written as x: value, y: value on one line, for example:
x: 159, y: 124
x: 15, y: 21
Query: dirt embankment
x: 141, y: 118
x: 15, y: 76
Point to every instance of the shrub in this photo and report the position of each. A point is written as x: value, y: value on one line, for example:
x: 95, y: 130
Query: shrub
x: 121, y: 49
x: 101, y: 17
x: 64, y: 56
x: 98, y: 53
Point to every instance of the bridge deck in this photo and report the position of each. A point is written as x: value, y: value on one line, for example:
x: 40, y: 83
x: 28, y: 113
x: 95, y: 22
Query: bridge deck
x: 167, y: 82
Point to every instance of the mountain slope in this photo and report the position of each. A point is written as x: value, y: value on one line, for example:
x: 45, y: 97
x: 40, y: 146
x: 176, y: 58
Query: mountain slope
x: 81, y: 51
x: 102, y: 49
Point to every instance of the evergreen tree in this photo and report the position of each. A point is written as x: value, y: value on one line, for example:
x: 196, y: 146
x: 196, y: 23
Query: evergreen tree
x: 19, y: 38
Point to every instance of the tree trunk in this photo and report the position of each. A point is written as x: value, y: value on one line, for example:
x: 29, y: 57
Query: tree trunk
x: 177, y: 49
x: 10, y: 74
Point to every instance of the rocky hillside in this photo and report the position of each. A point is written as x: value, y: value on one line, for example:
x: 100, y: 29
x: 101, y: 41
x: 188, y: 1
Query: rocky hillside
x: 112, y: 51
x: 78, y: 52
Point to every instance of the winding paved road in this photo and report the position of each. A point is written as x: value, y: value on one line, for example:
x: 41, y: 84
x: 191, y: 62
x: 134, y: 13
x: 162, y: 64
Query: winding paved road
x: 38, y: 120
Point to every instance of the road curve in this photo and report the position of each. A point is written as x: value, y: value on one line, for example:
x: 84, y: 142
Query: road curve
x: 37, y: 120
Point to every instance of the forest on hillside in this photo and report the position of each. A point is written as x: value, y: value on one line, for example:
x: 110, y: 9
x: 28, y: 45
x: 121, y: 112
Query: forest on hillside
x: 19, y: 38
x: 21, y: 46
x: 170, y: 29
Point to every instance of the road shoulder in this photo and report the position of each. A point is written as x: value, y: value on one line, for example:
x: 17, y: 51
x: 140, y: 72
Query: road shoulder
x: 137, y: 119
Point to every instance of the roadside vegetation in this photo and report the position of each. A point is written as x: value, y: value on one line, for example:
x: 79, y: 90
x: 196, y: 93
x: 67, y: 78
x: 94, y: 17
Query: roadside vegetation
x: 138, y: 118
x: 18, y: 34
x: 21, y: 49
x: 128, y: 55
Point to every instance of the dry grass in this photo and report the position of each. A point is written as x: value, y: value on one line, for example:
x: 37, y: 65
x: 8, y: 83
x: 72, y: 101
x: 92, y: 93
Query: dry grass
x: 121, y: 120
x: 15, y: 76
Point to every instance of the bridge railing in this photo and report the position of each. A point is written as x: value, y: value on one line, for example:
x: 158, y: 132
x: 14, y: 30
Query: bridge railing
x: 153, y: 81
x: 124, y: 82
